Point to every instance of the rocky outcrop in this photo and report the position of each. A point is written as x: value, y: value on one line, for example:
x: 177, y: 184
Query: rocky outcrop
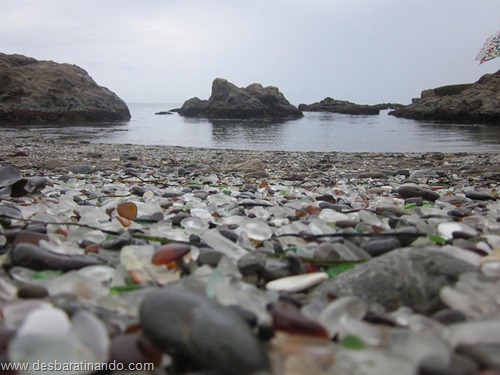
x: 33, y: 92
x: 228, y: 101
x: 476, y: 103
x: 340, y: 106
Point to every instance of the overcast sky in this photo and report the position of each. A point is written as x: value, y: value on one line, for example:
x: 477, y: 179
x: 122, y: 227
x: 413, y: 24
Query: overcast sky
x: 167, y: 51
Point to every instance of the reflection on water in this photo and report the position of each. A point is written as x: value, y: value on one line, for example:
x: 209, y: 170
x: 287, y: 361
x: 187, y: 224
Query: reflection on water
x: 247, y: 134
x: 314, y: 132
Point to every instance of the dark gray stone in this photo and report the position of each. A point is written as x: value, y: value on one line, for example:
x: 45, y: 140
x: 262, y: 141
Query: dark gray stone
x: 37, y: 258
x: 334, y: 206
x: 186, y: 323
x: 32, y: 291
x: 81, y: 169
x: 379, y: 246
x: 252, y: 263
x: 118, y: 242
x: 209, y: 257
x: 479, y: 195
x: 411, y: 191
x: 404, y: 277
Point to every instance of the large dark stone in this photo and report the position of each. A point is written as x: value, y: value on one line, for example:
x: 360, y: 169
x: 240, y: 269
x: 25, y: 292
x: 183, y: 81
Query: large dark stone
x: 407, y: 277
x: 476, y: 103
x: 228, y: 101
x: 188, y: 324
x: 340, y: 106
x: 33, y: 92
x: 39, y: 259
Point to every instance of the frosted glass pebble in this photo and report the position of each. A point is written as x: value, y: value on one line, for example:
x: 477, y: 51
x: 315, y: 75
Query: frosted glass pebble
x: 446, y: 229
x: 8, y: 290
x: 296, y: 283
x: 34, y: 350
x: 15, y: 312
x: 134, y: 257
x: 103, y: 274
x: 162, y: 275
x: 91, y: 215
x: 220, y: 243
x: 255, y: 229
x: 332, y: 216
x: 419, y: 347
x: 201, y: 213
x: 371, y: 334
x: 371, y: 362
x: 92, y: 333
x: 491, y: 268
x: 95, y: 236
x: 474, y: 332
x: 194, y: 225
x: 349, y: 305
x: 146, y: 209
x: 369, y: 217
x: 462, y: 254
x: 219, y: 199
x: 148, y: 195
x: 45, y: 321
x: 80, y: 285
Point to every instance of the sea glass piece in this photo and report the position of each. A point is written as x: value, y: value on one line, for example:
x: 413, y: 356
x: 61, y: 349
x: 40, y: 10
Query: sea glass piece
x: 170, y: 252
x: 92, y: 333
x: 256, y: 230
x: 297, y: 283
x: 288, y: 318
x: 128, y: 210
x: 135, y: 257
x: 220, y: 243
x: 348, y: 305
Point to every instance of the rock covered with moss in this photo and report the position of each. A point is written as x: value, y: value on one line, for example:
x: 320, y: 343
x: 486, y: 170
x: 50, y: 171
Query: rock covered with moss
x: 38, y: 92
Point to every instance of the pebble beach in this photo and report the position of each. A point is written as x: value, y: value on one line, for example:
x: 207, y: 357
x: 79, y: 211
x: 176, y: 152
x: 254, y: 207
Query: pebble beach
x: 219, y: 261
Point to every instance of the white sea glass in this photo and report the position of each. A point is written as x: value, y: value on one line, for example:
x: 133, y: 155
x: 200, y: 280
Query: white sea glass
x: 134, y: 257
x: 350, y: 306
x: 92, y: 333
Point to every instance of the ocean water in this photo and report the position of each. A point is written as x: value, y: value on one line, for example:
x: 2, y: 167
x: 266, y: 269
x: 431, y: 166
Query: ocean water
x: 314, y: 132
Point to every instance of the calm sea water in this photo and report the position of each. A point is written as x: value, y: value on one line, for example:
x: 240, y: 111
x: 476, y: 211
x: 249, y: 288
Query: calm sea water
x: 314, y: 132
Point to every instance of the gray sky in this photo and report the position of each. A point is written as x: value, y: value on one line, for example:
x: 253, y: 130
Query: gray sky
x: 366, y: 51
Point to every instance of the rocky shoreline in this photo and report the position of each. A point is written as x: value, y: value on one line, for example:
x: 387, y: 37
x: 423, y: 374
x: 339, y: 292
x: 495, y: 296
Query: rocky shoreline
x: 38, y: 153
x: 215, y: 261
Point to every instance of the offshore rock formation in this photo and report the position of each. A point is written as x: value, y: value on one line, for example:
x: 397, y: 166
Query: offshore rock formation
x: 340, y: 106
x: 476, y: 103
x: 228, y: 101
x: 37, y: 92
